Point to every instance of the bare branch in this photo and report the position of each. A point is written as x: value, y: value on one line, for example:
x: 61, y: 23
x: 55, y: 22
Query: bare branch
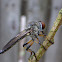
x: 49, y: 40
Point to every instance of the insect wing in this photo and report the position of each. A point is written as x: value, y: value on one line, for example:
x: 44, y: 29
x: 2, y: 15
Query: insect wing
x: 13, y: 41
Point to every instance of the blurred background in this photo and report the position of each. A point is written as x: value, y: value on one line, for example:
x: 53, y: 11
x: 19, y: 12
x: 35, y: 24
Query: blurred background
x: 15, y: 15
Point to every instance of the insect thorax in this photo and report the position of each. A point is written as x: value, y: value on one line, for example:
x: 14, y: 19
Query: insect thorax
x: 36, y: 28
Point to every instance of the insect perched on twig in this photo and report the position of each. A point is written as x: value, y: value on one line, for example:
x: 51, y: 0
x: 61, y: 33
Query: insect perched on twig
x: 34, y: 30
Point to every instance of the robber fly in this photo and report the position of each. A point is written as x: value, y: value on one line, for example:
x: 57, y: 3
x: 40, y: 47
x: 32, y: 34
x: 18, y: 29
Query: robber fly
x: 34, y: 30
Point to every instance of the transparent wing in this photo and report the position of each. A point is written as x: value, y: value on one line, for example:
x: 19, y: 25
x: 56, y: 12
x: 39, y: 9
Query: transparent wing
x: 13, y: 41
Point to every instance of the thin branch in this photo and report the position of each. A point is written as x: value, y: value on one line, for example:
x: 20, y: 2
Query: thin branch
x: 49, y: 40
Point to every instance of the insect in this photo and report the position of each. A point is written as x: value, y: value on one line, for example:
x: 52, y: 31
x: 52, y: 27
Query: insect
x: 34, y: 30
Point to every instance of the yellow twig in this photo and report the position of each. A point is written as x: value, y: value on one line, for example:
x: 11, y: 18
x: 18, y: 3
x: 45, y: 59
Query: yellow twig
x: 50, y: 37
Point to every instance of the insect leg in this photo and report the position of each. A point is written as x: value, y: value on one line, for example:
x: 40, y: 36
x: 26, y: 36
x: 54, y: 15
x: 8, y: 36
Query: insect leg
x: 26, y: 43
x: 43, y: 35
x: 29, y: 50
x: 39, y: 43
x: 29, y: 45
x: 37, y: 40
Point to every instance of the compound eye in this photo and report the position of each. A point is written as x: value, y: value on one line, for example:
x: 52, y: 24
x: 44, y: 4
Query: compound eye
x: 43, y: 24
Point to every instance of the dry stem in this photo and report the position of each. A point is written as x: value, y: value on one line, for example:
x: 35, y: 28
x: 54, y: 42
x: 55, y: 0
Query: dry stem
x: 50, y: 37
